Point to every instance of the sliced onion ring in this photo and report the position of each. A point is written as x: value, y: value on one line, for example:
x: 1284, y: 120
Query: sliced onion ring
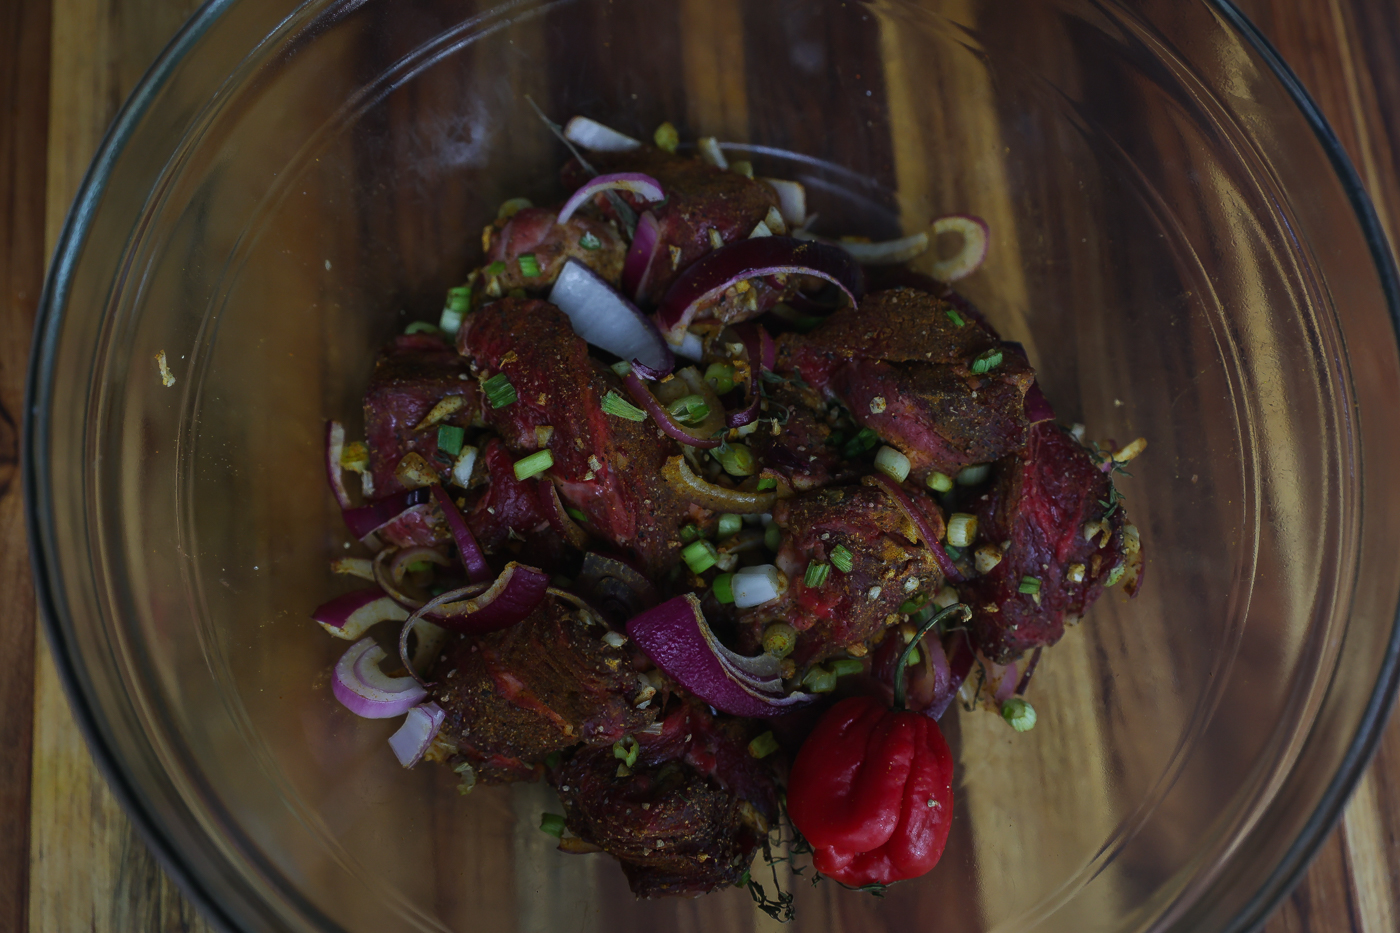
x: 972, y: 253
x: 365, y: 520
x: 921, y: 523
x: 367, y: 691
x: 335, y: 445
x: 958, y: 652
x: 614, y: 584
x: 707, y: 278
x: 473, y: 560
x: 385, y: 578
x: 695, y: 437
x: 636, y: 268
x: 678, y: 473
x: 351, y: 615
x: 602, y: 317
x: 680, y: 642
x: 644, y: 187
x: 413, y: 739
x: 762, y: 355
x: 594, y: 136
x: 559, y: 517
x: 880, y: 253
x: 405, y: 557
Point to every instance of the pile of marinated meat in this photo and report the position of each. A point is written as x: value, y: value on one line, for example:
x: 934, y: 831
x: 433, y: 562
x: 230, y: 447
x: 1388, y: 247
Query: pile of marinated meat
x: 901, y: 458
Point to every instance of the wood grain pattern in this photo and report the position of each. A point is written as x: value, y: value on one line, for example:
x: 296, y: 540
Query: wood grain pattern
x: 77, y: 864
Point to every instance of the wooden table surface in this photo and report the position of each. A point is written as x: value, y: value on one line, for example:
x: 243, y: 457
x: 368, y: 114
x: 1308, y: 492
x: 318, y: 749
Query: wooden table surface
x: 69, y: 860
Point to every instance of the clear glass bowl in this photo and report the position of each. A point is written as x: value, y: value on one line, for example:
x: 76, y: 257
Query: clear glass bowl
x: 1176, y: 237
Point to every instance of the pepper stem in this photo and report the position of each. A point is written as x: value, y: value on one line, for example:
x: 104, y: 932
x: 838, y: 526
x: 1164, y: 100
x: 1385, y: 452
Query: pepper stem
x: 927, y: 627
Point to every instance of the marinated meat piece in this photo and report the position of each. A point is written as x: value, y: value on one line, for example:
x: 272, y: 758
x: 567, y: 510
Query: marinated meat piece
x: 411, y: 376
x: 903, y: 365
x: 699, y: 198
x: 689, y: 815
x: 848, y: 609
x: 798, y: 453
x: 1038, y: 511
x: 507, y: 513
x: 605, y: 466
x: 533, y: 232
x: 545, y: 684
x: 418, y: 525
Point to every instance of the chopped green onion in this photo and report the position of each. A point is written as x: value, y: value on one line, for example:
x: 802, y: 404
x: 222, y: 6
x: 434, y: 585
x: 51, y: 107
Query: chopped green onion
x: 533, y: 465
x: 773, y: 537
x: 914, y: 657
x: 590, y: 242
x: 666, y: 137
x: 779, y: 639
x: 496, y: 268
x: 1018, y: 714
x: 459, y: 299
x: 449, y: 439
x: 700, y: 556
x: 844, y: 666
x: 691, y: 533
x: 720, y: 376
x: 499, y: 391
x: 892, y: 463
x: 1115, y: 575
x: 622, y: 368
x: 954, y: 551
x: 553, y: 824
x: 729, y: 524
x: 766, y: 483
x: 736, y: 459
x: 986, y: 558
x: 974, y: 475
x: 421, y: 327
x: 940, y: 482
x: 614, y: 404
x: 418, y: 566
x: 742, y: 167
x: 764, y: 745
x: 552, y: 760
x: 956, y: 318
x: 819, y: 680
x: 576, y: 514
x: 724, y: 587
x: 913, y: 604
x: 842, y: 559
x: 1030, y: 585
x: 529, y: 266
x: 689, y: 410
x: 625, y: 749
x: 449, y: 322
x: 864, y: 441
x: 986, y: 362
x: 962, y: 529
x: 816, y: 574
x: 512, y: 207
x: 518, y: 293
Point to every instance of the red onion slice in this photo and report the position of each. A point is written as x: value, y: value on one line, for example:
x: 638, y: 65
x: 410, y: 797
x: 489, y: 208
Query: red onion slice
x: 514, y: 595
x: 1037, y: 406
x: 959, y: 657
x: 974, y: 246
x: 594, y: 136
x: 705, y: 280
x: 367, y: 691
x: 921, y: 523
x: 762, y: 355
x: 387, y: 582
x: 879, y: 253
x: 695, y: 437
x: 617, y: 587
x: 365, y: 520
x: 678, y: 640
x: 643, y: 186
x: 351, y: 615
x: 602, y: 317
x: 636, y: 268
x: 473, y: 560
x: 559, y: 518
x: 416, y: 735
x: 792, y: 200
x: 335, y: 445
x: 406, y: 557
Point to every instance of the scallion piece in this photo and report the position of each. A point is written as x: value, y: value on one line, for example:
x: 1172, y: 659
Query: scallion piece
x: 691, y: 533
x: 625, y: 750
x: 459, y: 299
x: 421, y: 327
x: 590, y: 242
x: 449, y: 439
x: 553, y: 824
x: 1018, y: 714
x: 529, y: 266
x: 842, y: 559
x: 956, y: 318
x: 576, y: 514
x: 819, y: 680
x: 773, y: 537
x: 816, y: 574
x: 779, y: 639
x: 892, y: 463
x: 1029, y: 585
x: 700, y: 556
x: 974, y: 475
x: 766, y: 483
x: 689, y: 410
x: 940, y: 482
x: 616, y: 405
x: 864, y: 441
x: 720, y: 376
x: 499, y: 391
x: 986, y: 362
x: 622, y: 368
x: 449, y: 322
x: 496, y: 268
x: 724, y: 587
x: 843, y: 666
x: 533, y: 465
x: 962, y: 529
x: 729, y: 524
x: 736, y: 459
x: 666, y: 137
x: 764, y: 745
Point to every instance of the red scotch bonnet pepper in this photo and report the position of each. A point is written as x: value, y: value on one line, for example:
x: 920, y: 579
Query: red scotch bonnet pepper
x: 872, y: 787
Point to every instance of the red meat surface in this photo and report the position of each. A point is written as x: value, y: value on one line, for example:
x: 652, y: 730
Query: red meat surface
x: 533, y: 231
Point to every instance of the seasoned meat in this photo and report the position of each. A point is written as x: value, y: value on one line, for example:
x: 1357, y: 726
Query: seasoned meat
x: 688, y: 816
x: 605, y: 466
x: 507, y: 514
x: 545, y: 684
x: 699, y: 198
x: 904, y: 367
x: 848, y: 608
x: 412, y: 375
x: 799, y: 452
x: 533, y: 232
x: 1037, y: 510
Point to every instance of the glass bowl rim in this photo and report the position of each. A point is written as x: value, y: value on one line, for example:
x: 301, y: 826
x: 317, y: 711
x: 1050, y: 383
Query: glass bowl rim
x: 38, y: 387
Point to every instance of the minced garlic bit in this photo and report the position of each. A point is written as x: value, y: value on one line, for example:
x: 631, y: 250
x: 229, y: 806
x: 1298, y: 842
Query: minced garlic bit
x: 1075, y: 573
x: 444, y: 409
x: 877, y: 405
x: 167, y: 378
x: 1131, y: 451
x: 675, y: 257
x: 987, y: 557
x: 874, y: 592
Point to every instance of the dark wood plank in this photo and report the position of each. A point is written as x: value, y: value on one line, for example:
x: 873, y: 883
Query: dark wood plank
x: 24, y: 81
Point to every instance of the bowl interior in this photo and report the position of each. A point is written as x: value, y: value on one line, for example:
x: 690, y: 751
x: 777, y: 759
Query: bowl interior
x: 1140, y: 171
